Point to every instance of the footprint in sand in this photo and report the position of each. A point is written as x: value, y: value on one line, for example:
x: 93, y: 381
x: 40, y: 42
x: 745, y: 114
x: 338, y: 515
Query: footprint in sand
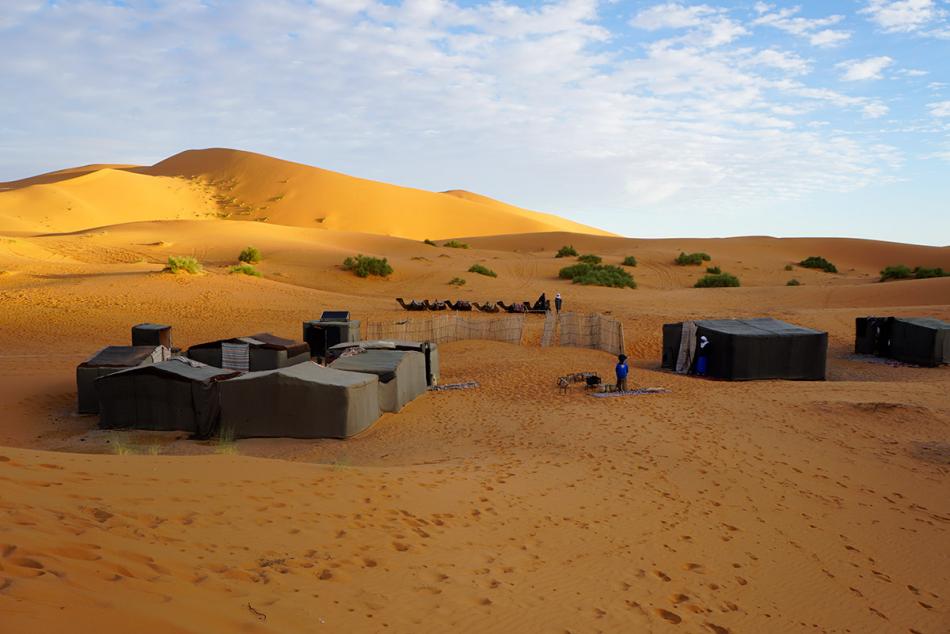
x: 662, y: 575
x: 672, y: 617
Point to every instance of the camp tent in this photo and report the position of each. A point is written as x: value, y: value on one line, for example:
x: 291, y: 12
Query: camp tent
x: 332, y: 328
x: 263, y: 351
x: 152, y: 335
x: 106, y: 361
x: 747, y: 349
x: 401, y: 374
x: 918, y: 340
x: 429, y: 349
x: 303, y: 401
x: 175, y: 395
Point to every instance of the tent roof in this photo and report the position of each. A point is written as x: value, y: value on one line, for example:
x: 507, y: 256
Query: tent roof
x: 119, y: 356
x: 313, y: 373
x: 261, y: 340
x: 925, y: 322
x: 757, y: 327
x: 382, y: 344
x: 382, y: 363
x: 148, y: 326
x: 183, y: 368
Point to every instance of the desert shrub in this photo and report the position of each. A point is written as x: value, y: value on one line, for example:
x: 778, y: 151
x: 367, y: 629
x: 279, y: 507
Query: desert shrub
x: 793, y: 282
x: 714, y: 270
x: 250, y: 255
x: 364, y: 265
x: 482, y: 270
x: 691, y: 259
x: 246, y: 269
x: 629, y: 261
x: 183, y: 264
x: 788, y: 267
x: 922, y: 273
x: 598, y: 275
x: 817, y: 262
x: 431, y: 243
x: 457, y: 281
x: 566, y: 251
x: 590, y: 258
x: 717, y: 281
x: 896, y: 272
x: 455, y: 244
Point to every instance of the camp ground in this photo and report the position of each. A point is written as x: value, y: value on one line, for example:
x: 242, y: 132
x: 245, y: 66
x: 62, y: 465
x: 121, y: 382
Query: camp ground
x: 921, y: 341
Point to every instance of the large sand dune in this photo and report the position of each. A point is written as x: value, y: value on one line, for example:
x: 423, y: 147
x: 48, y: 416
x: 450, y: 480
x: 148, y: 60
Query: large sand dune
x: 719, y: 507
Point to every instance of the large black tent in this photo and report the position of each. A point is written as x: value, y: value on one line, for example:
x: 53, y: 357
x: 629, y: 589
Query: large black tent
x: 402, y: 374
x: 747, y: 349
x: 108, y: 360
x: 333, y: 327
x: 175, y: 395
x: 918, y: 340
x: 303, y: 401
x: 428, y: 348
x: 152, y: 335
x: 264, y: 351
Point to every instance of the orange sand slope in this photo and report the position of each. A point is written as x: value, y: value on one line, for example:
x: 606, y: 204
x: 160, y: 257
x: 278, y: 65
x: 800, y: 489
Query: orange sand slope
x: 246, y: 186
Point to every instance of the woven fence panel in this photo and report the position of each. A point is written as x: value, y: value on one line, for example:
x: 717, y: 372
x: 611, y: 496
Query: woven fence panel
x: 549, y: 337
x: 594, y: 331
x: 444, y: 328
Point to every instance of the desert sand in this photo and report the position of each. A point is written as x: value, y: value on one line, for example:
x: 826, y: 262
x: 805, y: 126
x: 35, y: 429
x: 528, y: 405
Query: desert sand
x: 718, y: 507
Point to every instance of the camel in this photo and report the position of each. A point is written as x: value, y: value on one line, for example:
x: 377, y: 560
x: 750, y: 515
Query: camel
x: 460, y: 305
x: 487, y: 307
x: 434, y: 305
x: 412, y: 305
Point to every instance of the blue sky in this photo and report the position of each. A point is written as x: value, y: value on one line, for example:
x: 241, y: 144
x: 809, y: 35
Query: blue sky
x: 649, y: 119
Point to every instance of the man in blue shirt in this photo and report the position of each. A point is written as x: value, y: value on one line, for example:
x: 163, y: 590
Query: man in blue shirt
x: 622, y: 371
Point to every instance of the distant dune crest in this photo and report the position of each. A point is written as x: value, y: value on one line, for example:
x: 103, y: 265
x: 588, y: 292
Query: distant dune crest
x: 238, y: 185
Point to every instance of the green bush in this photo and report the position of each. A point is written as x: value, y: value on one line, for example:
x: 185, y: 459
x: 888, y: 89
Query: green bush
x: 715, y: 270
x: 691, y: 259
x: 246, y: 269
x: 901, y: 272
x: 717, y: 281
x: 455, y: 244
x: 793, y: 282
x: 482, y: 270
x: 590, y: 258
x: 183, y: 264
x: 598, y: 275
x: 629, y: 261
x: 250, y: 255
x: 364, y: 265
x: 429, y: 242
x: 788, y: 267
x: 817, y: 262
x: 566, y: 251
x: 457, y: 281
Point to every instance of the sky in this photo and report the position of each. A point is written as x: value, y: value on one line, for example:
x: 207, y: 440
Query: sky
x: 649, y: 119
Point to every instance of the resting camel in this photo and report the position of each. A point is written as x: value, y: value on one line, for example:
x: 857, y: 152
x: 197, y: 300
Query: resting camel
x: 412, y: 305
x: 460, y: 305
x: 434, y: 305
x: 487, y: 307
x: 517, y: 307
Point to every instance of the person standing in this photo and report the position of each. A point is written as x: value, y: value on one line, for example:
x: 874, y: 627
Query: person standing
x: 557, y: 302
x: 702, y: 361
x: 622, y: 370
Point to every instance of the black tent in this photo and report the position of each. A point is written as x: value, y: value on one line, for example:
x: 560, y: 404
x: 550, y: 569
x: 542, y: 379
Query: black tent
x: 332, y: 328
x: 918, y: 340
x: 152, y: 335
x: 175, y: 395
x: 108, y: 360
x: 402, y: 374
x: 747, y: 349
x: 264, y: 352
x: 428, y: 348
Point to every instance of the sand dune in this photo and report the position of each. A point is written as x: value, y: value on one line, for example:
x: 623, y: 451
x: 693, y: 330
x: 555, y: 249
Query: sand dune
x: 718, y: 507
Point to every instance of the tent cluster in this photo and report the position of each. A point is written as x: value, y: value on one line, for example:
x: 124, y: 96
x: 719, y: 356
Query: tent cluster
x: 541, y: 305
x: 256, y: 386
x: 917, y: 340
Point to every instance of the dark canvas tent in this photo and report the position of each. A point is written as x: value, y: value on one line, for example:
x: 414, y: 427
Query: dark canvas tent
x: 106, y: 361
x: 918, y: 340
x: 303, y: 401
x: 175, y: 395
x: 332, y: 328
x: 429, y: 349
x: 264, y: 350
x: 401, y: 374
x: 747, y: 349
x: 152, y: 335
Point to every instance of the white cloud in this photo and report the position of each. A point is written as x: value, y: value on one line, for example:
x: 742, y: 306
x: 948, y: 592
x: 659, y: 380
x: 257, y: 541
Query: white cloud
x: 875, y: 110
x: 939, y: 108
x: 902, y: 16
x: 864, y: 69
x: 672, y: 16
x: 788, y: 20
x: 788, y: 62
